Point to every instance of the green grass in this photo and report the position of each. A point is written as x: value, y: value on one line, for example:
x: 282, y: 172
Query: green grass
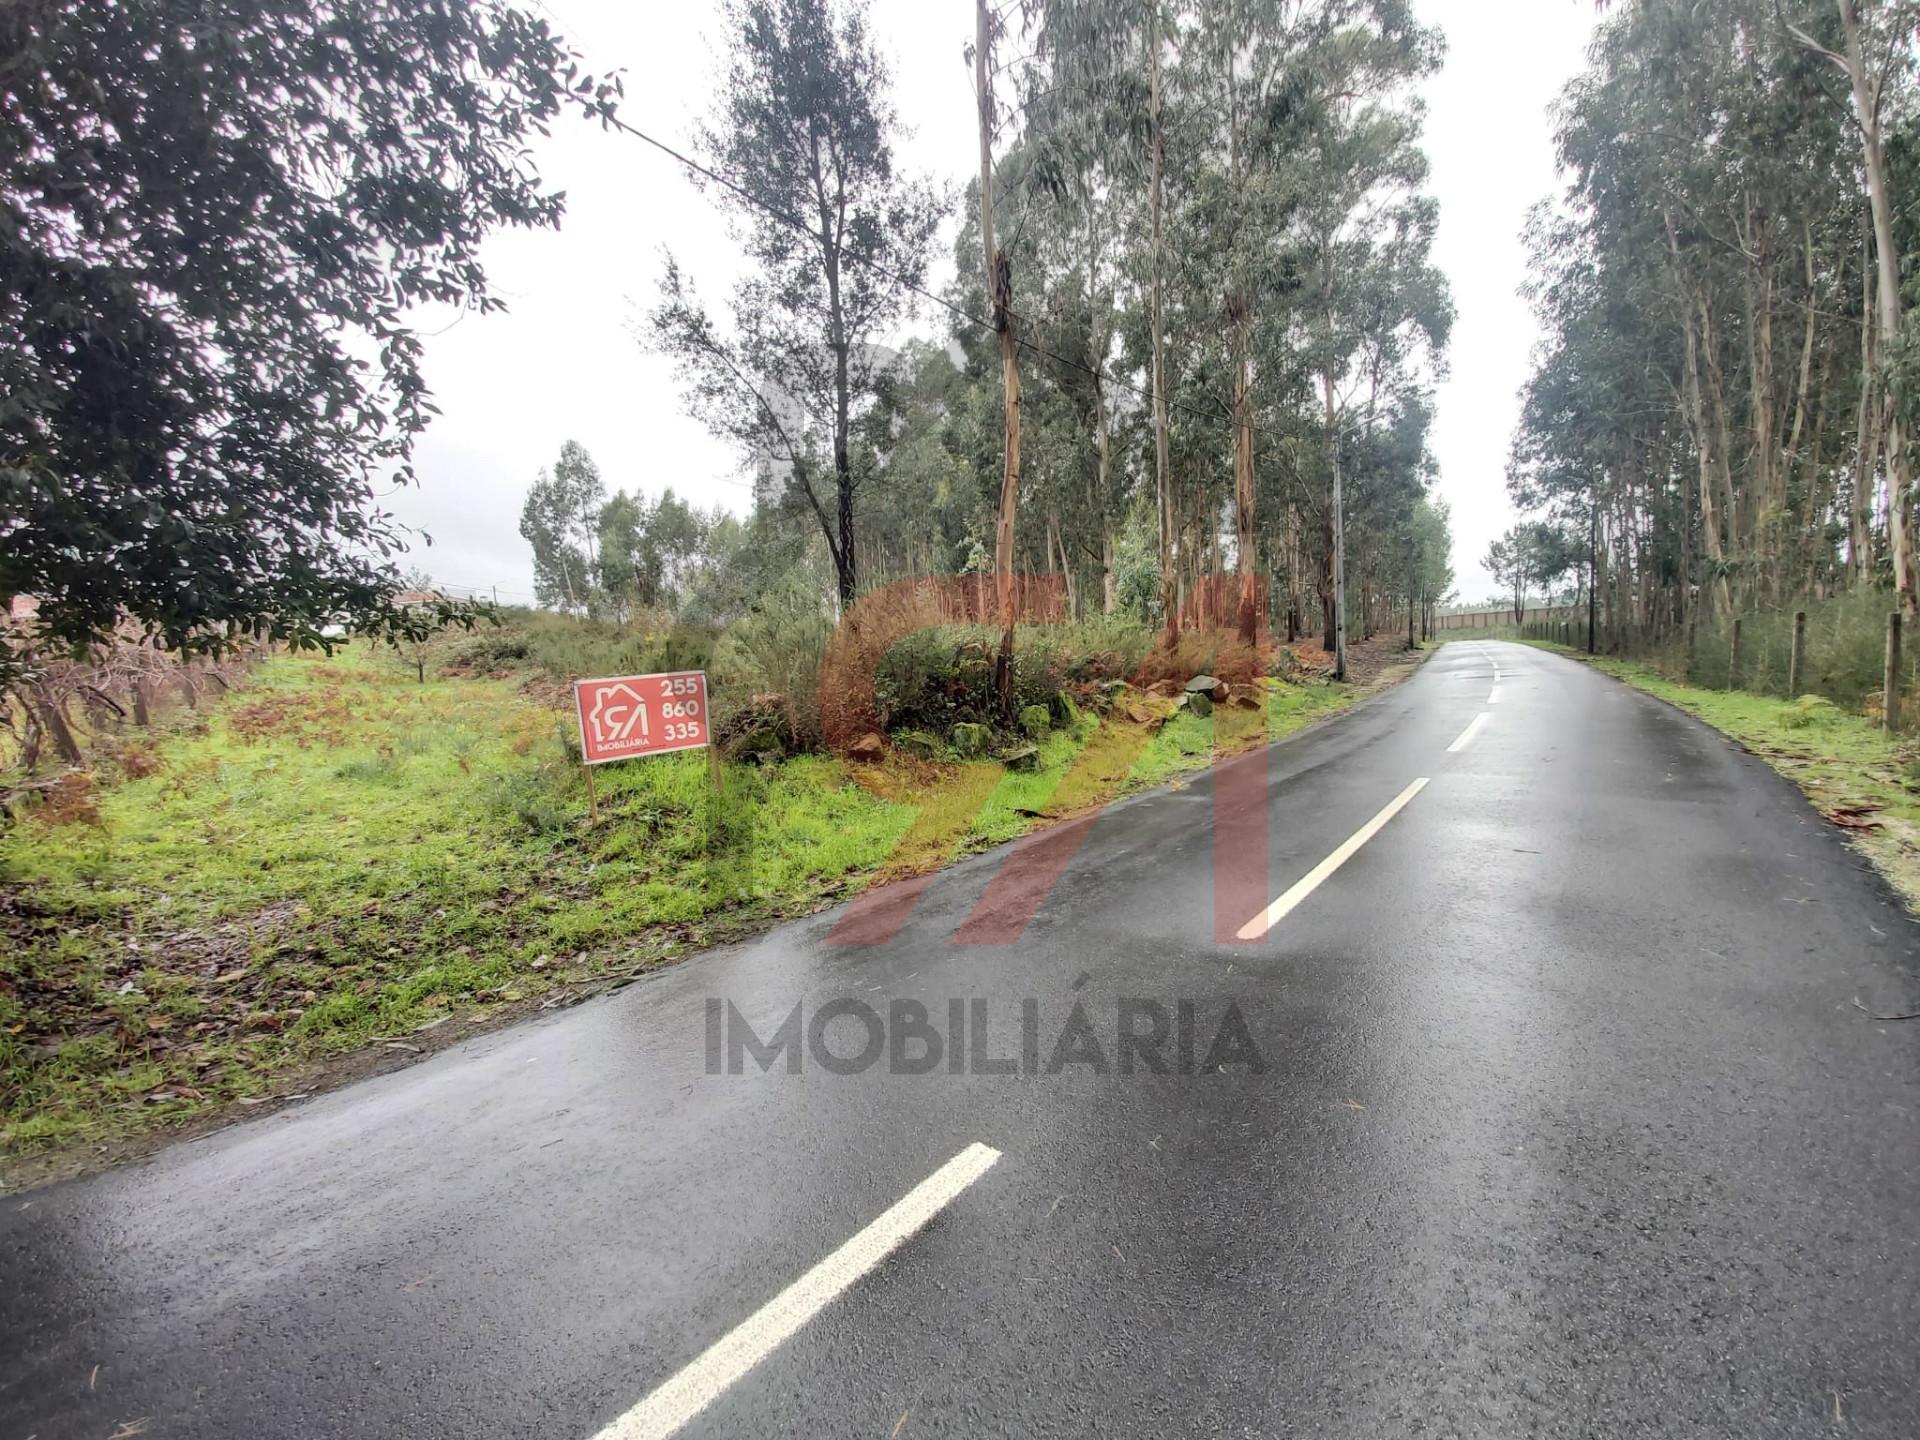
x: 1844, y: 762
x: 338, y: 857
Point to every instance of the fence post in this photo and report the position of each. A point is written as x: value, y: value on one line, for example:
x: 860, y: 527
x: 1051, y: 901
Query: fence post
x: 1890, y: 711
x: 1793, y: 655
x: 1733, y: 658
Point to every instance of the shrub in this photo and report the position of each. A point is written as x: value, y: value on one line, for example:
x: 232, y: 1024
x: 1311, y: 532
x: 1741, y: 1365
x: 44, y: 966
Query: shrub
x: 938, y: 678
x: 567, y: 647
x: 766, y: 668
x: 1808, y: 710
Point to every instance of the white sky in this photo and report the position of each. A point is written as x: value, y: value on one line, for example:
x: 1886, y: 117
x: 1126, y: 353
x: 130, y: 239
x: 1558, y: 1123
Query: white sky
x: 563, y: 363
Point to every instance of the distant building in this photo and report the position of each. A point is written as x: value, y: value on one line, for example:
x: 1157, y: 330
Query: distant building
x: 418, y: 599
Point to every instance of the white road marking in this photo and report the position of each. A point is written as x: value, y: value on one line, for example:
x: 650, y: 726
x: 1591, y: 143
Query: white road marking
x: 1257, y: 927
x: 1466, y: 735
x: 1493, y: 695
x: 761, y: 1333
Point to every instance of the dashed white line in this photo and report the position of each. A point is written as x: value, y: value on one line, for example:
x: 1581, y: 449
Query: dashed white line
x: 1257, y: 927
x: 760, y: 1334
x: 1466, y: 735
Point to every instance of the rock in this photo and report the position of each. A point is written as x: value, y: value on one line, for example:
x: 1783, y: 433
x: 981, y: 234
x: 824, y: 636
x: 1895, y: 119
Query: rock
x: 1200, y: 703
x: 1063, y: 710
x: 869, y: 747
x: 918, y: 744
x: 971, y: 740
x: 1027, y: 757
x: 1162, y: 688
x: 1035, y: 721
x: 1212, y: 686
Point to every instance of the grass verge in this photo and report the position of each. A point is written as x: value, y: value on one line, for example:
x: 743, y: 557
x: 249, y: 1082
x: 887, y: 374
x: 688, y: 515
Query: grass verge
x: 1862, y: 779
x: 339, y: 868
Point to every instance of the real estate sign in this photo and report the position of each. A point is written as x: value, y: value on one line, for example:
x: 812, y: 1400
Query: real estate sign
x: 624, y: 717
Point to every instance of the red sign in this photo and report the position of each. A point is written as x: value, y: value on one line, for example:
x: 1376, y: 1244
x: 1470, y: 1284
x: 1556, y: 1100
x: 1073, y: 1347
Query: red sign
x: 632, y: 715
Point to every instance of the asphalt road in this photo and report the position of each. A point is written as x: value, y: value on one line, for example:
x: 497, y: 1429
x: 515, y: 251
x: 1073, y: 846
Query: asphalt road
x: 1564, y: 1121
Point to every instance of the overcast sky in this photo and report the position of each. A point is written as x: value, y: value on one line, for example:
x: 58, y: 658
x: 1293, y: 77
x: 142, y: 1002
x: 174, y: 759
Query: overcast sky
x: 564, y: 364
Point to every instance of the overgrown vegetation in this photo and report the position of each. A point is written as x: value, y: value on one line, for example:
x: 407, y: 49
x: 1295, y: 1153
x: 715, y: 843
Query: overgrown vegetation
x: 338, y: 858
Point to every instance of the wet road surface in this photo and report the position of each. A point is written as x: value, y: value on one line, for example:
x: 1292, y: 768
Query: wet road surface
x: 1552, y: 1114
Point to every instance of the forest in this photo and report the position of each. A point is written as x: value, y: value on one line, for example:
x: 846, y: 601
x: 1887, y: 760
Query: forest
x: 1718, y: 421
x: 1186, y: 365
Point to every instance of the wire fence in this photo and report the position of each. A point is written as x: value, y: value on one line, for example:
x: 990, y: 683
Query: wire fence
x: 1841, y: 655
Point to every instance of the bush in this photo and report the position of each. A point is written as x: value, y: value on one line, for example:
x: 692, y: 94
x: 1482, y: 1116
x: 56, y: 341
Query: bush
x: 1808, y: 710
x: 766, y: 668
x: 567, y: 648
x: 935, y: 679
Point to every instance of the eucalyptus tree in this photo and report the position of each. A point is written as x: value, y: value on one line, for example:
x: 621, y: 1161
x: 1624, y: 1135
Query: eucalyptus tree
x: 1714, y: 399
x: 998, y: 273
x: 1877, y: 54
x: 561, y: 521
x: 1362, y: 220
x: 1101, y: 103
x: 838, y: 240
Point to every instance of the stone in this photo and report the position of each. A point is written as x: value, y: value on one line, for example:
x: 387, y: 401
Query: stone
x: 1200, y: 703
x: 1035, y: 721
x: 1027, y: 757
x: 971, y: 740
x: 868, y: 748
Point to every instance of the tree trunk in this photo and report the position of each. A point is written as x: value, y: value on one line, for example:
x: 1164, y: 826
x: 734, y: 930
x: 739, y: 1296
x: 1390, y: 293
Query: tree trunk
x: 53, y: 719
x: 1866, y: 102
x: 1337, y: 618
x: 1866, y: 455
x: 999, y: 275
x: 1163, y: 479
x: 1239, y: 314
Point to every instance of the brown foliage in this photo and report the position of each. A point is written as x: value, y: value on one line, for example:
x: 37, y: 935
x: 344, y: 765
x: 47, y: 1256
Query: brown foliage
x: 70, y: 800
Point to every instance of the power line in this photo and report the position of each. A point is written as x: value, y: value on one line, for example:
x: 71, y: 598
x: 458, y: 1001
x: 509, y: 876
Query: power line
x: 795, y: 223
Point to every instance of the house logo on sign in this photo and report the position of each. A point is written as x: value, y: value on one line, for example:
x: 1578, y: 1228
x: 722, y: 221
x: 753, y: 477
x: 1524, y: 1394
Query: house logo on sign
x: 618, y: 710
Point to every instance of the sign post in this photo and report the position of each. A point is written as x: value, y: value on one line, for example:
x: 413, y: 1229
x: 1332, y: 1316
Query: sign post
x: 626, y: 717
